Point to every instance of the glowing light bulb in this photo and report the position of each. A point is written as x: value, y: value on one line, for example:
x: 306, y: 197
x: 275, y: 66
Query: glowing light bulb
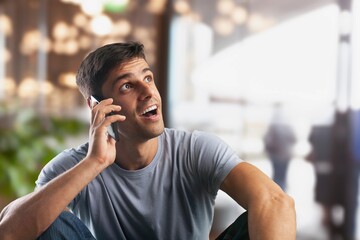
x: 101, y: 25
x: 92, y: 8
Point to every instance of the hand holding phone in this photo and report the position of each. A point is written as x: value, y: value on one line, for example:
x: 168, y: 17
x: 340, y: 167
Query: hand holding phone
x: 110, y: 129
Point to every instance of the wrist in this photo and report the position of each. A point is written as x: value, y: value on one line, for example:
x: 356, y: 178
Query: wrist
x: 93, y: 166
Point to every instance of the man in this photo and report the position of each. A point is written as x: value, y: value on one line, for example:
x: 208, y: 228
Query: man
x: 279, y: 141
x: 154, y: 182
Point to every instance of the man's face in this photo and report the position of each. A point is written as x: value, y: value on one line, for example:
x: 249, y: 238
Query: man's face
x: 132, y: 86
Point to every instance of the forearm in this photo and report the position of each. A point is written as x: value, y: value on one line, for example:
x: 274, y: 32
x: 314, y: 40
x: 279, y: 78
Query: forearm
x: 271, y: 212
x: 273, y: 218
x: 36, y: 211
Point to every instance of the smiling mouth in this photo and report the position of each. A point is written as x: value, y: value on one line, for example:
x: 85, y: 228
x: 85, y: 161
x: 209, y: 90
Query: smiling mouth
x: 150, y: 111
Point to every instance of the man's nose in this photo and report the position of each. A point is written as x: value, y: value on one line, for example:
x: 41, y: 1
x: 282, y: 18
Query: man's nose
x: 146, y: 91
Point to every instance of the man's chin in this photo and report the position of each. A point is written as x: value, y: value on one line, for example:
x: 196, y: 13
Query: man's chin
x: 142, y: 132
x: 157, y: 131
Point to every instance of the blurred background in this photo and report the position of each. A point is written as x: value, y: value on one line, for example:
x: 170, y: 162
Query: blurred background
x: 278, y: 80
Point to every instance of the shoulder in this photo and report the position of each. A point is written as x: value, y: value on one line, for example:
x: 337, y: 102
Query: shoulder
x: 199, y: 144
x: 61, y: 163
x: 70, y: 157
x: 197, y: 139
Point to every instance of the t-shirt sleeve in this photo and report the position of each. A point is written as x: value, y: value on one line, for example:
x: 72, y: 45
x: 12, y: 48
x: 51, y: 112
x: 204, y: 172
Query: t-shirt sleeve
x: 54, y: 168
x: 214, y: 159
x: 58, y: 165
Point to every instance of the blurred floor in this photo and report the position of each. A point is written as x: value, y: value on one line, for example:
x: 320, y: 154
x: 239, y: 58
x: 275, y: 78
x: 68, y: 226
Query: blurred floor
x: 301, y: 182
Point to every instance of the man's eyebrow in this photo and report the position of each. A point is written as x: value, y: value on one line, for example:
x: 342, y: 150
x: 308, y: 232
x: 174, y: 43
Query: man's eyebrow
x: 121, y: 77
x: 146, y: 69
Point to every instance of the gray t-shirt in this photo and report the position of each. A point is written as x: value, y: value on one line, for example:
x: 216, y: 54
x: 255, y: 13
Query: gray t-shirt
x: 171, y: 198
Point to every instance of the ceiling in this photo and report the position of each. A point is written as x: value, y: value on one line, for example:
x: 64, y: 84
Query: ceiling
x: 270, y: 13
x: 280, y: 9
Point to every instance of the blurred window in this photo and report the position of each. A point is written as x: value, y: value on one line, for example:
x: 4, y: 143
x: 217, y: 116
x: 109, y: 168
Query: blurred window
x: 231, y: 92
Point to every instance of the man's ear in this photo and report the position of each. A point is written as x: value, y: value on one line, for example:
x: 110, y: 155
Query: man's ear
x: 89, y: 102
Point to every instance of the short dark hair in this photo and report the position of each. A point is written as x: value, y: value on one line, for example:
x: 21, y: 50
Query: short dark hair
x: 96, y: 66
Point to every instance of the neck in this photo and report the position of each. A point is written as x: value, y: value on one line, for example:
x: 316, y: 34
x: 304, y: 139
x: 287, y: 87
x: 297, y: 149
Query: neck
x: 134, y: 156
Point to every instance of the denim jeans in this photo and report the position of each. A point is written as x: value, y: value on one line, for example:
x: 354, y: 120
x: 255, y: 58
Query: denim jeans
x: 68, y: 227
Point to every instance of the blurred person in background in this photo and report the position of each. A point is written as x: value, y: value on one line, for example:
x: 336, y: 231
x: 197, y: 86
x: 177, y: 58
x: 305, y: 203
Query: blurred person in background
x: 345, y: 181
x: 152, y: 182
x: 320, y: 139
x: 335, y: 154
x: 279, y: 141
x: 355, y: 169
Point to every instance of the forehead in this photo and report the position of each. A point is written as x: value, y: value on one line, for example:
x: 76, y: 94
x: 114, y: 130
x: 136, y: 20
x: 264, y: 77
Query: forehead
x: 131, y: 66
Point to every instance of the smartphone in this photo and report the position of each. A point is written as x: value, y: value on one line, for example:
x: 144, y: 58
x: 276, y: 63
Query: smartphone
x: 112, y: 129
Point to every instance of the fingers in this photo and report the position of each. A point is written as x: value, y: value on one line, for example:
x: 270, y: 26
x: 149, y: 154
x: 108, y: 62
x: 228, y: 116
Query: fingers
x: 113, y: 118
x: 101, y: 144
x: 103, y: 115
x: 103, y: 112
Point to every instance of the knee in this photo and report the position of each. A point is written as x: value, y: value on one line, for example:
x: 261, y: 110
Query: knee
x: 57, y: 227
x: 66, y: 226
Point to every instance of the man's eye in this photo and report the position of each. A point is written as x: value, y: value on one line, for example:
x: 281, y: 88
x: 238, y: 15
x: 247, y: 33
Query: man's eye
x: 148, y: 79
x: 125, y: 87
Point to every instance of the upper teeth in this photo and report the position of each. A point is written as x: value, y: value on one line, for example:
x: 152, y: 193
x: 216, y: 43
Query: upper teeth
x: 149, y: 109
